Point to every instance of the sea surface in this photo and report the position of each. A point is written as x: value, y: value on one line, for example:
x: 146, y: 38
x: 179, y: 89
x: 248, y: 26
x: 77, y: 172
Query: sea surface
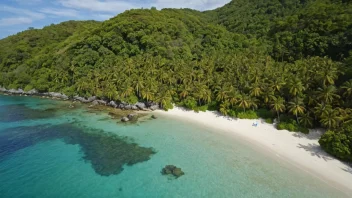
x: 50, y: 150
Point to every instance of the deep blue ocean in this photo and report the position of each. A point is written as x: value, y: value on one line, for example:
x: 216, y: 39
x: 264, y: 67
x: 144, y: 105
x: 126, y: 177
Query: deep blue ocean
x: 50, y: 150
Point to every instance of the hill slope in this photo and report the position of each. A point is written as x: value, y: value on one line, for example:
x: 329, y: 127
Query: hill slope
x: 295, y: 28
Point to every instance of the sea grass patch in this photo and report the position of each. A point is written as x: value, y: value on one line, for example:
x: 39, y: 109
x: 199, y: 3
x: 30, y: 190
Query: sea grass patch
x: 19, y: 112
x: 106, y: 152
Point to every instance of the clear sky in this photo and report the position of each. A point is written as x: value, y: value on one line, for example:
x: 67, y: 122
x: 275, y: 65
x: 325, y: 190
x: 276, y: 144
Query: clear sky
x: 18, y: 15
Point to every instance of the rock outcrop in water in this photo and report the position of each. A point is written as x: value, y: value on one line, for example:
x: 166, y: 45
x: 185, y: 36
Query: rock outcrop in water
x: 145, y: 106
x: 172, y: 170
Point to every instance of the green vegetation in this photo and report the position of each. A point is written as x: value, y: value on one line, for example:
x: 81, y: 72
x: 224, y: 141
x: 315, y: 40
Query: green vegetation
x: 286, y: 60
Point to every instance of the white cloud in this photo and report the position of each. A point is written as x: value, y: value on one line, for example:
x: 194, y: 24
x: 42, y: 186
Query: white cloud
x: 60, y: 12
x: 116, y: 6
x: 15, y: 21
x: 98, y: 5
x: 19, y: 11
x: 193, y: 4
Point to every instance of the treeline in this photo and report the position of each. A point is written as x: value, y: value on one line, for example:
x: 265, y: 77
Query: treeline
x: 225, y: 60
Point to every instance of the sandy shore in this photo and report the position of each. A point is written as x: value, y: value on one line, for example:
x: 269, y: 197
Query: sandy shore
x: 300, y: 150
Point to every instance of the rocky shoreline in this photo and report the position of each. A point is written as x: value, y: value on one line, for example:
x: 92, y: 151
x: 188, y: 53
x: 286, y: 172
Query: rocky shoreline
x: 139, y: 106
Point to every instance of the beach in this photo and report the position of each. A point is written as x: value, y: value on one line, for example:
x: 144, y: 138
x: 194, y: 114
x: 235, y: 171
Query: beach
x: 301, y: 150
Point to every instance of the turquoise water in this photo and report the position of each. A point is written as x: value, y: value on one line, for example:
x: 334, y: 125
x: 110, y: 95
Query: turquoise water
x: 48, y: 150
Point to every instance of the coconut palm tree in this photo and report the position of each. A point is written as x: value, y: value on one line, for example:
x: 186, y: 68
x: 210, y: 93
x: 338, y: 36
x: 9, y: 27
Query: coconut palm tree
x: 244, y: 102
x: 296, y: 107
x: 330, y: 118
x: 347, y: 89
x: 224, y: 107
x: 278, y: 105
x: 295, y: 86
x: 327, y: 94
x: 306, y: 120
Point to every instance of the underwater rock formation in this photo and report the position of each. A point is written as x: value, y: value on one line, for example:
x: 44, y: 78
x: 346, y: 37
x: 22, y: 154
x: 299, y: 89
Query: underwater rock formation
x: 172, y: 170
x: 107, y: 153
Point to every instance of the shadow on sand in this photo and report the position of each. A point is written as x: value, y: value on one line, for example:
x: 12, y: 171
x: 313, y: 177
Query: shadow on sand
x: 315, y: 150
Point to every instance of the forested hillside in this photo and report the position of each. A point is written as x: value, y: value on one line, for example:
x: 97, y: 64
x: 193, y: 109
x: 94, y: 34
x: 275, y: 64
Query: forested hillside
x: 295, y: 29
x: 289, y: 60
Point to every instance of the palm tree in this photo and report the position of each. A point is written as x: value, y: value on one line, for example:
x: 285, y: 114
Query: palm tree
x: 163, y: 98
x: 330, y: 118
x: 295, y: 86
x: 256, y: 90
x: 222, y: 94
x: 185, y: 91
x: 296, y: 107
x: 244, y: 102
x: 306, y: 120
x: 327, y: 94
x: 320, y: 109
x: 147, y: 94
x: 347, y: 88
x: 223, y: 108
x: 277, y: 84
x: 278, y: 105
x: 268, y: 95
x: 138, y: 84
x: 328, y: 72
x: 233, y: 97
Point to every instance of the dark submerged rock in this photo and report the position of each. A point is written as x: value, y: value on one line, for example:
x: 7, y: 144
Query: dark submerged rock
x: 153, y: 116
x: 107, y: 153
x: 172, y: 170
x: 131, y: 116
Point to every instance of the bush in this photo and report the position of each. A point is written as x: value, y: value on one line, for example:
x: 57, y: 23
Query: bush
x: 291, y: 125
x: 232, y: 113
x: 168, y: 106
x: 213, y: 106
x: 69, y: 91
x: 12, y: 86
x: 264, y: 113
x: 203, y: 108
x: 190, y: 103
x: 28, y: 88
x: 269, y: 120
x: 247, y: 115
x: 337, y: 144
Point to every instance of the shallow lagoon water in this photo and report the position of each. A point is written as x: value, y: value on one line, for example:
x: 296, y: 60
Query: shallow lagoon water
x: 215, y: 165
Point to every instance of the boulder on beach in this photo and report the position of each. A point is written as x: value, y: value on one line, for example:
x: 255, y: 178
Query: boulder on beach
x: 134, y: 107
x: 112, y: 104
x: 154, y: 107
x: 125, y: 119
x: 32, y: 92
x: 172, y: 170
x: 81, y: 99
x: 91, y: 99
x: 140, y: 105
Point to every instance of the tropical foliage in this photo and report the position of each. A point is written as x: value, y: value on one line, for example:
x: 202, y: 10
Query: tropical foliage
x: 289, y: 60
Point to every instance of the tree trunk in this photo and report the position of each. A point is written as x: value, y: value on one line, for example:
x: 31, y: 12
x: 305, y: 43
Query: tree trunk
x: 278, y: 116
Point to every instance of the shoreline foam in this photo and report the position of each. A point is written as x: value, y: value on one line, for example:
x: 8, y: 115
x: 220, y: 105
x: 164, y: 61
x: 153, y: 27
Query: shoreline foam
x: 300, y: 150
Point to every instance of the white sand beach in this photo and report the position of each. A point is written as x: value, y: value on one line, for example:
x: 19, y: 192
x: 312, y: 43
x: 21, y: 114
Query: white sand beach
x: 300, y: 150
